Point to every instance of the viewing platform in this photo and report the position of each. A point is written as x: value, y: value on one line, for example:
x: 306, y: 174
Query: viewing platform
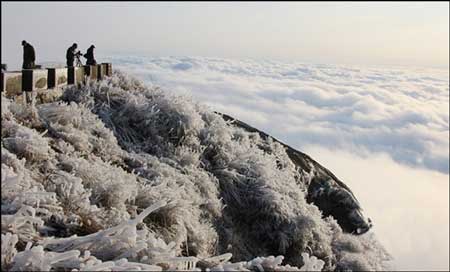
x: 48, y: 81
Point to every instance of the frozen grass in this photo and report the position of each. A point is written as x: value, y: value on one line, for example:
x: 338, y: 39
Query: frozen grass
x: 118, y: 176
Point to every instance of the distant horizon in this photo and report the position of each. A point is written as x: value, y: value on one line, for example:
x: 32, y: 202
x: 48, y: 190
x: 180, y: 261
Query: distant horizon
x: 102, y: 56
x: 365, y: 65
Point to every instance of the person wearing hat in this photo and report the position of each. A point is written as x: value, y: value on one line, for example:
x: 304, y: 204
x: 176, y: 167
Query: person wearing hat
x: 70, y: 55
x: 29, y: 56
x: 90, y: 56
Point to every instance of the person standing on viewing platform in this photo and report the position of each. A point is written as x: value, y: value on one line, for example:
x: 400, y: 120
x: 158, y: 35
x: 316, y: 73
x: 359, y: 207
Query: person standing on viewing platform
x: 90, y: 56
x: 29, y: 56
x: 70, y: 55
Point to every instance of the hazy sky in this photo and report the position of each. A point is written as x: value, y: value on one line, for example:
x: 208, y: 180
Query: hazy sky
x: 348, y: 33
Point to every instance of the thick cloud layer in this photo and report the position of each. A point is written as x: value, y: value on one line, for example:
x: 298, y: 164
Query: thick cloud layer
x: 403, y: 113
x: 409, y: 207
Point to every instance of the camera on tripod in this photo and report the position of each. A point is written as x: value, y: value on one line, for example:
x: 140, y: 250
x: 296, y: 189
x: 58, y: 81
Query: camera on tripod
x: 77, y: 58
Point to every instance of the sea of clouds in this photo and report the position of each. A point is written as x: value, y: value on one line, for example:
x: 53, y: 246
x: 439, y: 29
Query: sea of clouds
x: 383, y: 131
x: 403, y: 113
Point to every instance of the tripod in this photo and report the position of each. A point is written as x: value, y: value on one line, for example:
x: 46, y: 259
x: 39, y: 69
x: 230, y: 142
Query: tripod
x: 78, y: 61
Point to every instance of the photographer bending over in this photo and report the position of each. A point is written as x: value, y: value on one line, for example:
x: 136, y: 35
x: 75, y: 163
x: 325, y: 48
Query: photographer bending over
x: 90, y: 56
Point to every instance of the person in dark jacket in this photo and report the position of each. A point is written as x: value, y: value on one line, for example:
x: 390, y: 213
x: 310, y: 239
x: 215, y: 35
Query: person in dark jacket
x: 90, y: 56
x: 70, y: 55
x: 29, y: 56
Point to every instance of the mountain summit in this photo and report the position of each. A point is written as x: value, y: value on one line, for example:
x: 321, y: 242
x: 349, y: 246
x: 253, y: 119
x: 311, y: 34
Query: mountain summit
x: 117, y: 175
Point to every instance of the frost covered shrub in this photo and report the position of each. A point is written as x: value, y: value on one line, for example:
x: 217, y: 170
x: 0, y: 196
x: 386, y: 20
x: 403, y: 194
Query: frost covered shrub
x: 125, y: 82
x: 257, y: 192
x: 144, y: 119
x: 24, y: 142
x: 260, y: 187
x: 76, y: 125
x: 270, y: 263
x: 8, y: 250
x: 5, y: 103
x: 119, y: 176
x: 23, y: 223
x: 110, y: 186
x: 19, y: 189
x: 105, y: 244
x: 90, y: 207
x: 361, y: 254
x: 71, y: 193
x: 15, y: 180
x: 190, y: 192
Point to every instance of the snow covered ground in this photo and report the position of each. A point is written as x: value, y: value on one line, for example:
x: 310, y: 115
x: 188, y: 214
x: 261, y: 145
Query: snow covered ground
x: 383, y: 131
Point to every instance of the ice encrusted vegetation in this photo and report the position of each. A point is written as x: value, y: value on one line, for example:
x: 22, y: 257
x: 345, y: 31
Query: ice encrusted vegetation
x: 118, y: 176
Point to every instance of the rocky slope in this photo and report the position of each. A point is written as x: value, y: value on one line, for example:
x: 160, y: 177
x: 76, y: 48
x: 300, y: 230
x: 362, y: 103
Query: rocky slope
x: 119, y: 176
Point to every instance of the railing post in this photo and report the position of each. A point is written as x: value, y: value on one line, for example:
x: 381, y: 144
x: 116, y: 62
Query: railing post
x: 34, y: 79
x: 75, y: 75
x: 11, y: 83
x: 90, y: 71
x: 100, y: 71
x: 57, y: 77
x: 108, y: 68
